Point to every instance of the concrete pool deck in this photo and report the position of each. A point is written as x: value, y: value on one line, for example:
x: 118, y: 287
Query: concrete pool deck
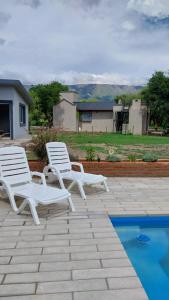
x: 76, y: 256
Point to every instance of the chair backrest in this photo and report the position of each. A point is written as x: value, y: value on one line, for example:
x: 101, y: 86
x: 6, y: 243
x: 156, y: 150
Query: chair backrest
x: 14, y: 166
x: 58, y: 156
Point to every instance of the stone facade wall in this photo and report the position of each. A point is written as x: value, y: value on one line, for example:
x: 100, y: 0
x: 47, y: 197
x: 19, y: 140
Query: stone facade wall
x: 64, y: 116
x: 102, y: 121
x: 70, y: 96
x: 138, y: 118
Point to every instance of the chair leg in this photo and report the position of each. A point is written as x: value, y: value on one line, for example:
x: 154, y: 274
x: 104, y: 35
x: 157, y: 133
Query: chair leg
x: 106, y: 186
x: 71, y: 185
x: 71, y: 204
x: 22, y: 206
x: 81, y: 189
x: 33, y: 211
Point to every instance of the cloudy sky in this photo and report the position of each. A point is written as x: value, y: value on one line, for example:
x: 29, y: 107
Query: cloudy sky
x: 83, y: 41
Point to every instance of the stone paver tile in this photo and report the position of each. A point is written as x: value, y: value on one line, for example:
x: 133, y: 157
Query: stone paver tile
x: 13, y: 252
x: 94, y: 241
x: 85, y: 230
x: 43, y: 244
x: 21, y: 238
x: 98, y: 255
x: 122, y: 283
x: 73, y: 236
x: 40, y: 258
x: 83, y: 225
x: 12, y: 222
x: 17, y: 289
x: 70, y: 265
x: 9, y: 233
x: 119, y: 262
x: 130, y: 294
x: 108, y: 247
x: 103, y: 273
x: 7, y: 245
x: 4, y: 269
x: 4, y: 260
x: 71, y: 249
x: 55, y: 230
x: 38, y: 277
x: 58, y: 296
x: 23, y: 228
x: 70, y: 286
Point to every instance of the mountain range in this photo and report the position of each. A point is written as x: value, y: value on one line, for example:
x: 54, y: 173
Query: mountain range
x: 101, y: 92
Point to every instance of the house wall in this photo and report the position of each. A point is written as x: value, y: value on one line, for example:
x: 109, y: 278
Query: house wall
x: 138, y: 118
x: 102, y: 121
x: 10, y: 94
x: 19, y: 131
x: 64, y: 116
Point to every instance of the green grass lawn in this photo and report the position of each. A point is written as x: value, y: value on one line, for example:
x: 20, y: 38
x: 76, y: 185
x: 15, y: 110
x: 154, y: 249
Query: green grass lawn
x: 116, y: 144
x: 112, y: 139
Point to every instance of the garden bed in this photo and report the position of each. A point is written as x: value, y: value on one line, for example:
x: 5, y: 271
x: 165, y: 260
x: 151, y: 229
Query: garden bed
x: 118, y: 169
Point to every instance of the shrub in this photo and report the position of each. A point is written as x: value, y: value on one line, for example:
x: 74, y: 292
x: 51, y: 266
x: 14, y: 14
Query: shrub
x: 90, y: 154
x: 150, y: 157
x: 40, y: 140
x: 132, y: 157
x: 113, y: 158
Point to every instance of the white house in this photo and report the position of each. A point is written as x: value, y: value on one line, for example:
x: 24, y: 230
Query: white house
x: 14, y: 104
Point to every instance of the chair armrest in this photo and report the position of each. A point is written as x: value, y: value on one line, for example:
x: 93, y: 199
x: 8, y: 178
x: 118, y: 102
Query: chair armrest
x: 55, y: 172
x: 79, y: 165
x: 41, y: 175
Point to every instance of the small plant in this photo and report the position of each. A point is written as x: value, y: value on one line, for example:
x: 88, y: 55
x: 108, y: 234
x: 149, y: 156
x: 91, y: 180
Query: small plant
x: 150, y: 157
x: 132, y: 157
x: 90, y: 154
x: 40, y: 140
x: 113, y: 158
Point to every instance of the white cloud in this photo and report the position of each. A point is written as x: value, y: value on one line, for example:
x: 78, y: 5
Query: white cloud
x: 128, y: 25
x: 99, y: 41
x: 151, y: 8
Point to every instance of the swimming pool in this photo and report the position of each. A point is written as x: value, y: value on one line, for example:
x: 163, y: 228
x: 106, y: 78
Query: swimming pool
x: 146, y: 241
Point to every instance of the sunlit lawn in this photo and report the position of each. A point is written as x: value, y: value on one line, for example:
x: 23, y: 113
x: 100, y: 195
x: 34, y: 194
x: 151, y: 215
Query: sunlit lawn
x: 112, y: 139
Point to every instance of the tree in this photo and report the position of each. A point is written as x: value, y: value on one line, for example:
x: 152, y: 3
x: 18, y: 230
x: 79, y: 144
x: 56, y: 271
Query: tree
x: 126, y: 99
x: 44, y: 96
x: 156, y: 96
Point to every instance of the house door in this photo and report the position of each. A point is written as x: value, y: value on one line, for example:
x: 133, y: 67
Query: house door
x: 6, y: 119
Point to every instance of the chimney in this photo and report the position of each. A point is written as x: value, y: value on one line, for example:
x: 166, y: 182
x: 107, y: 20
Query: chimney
x: 70, y: 96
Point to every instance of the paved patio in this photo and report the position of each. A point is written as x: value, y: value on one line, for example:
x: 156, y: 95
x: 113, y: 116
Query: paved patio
x: 76, y: 256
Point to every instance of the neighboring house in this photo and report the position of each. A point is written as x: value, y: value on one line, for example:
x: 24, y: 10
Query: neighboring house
x: 14, y: 103
x: 72, y: 115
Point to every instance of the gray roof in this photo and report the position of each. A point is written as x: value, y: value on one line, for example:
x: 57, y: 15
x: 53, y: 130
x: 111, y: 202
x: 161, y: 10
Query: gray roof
x: 18, y: 86
x: 86, y: 106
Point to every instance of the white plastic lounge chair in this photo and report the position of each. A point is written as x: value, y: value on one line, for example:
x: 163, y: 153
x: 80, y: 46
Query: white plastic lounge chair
x: 16, y: 180
x: 61, y: 167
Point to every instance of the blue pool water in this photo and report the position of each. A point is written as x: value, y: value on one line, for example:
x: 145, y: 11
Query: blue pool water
x: 146, y: 241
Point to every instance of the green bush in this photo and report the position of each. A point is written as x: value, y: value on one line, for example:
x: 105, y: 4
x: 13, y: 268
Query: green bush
x: 150, y: 157
x: 90, y: 154
x: 40, y: 140
x: 132, y: 157
x: 112, y: 157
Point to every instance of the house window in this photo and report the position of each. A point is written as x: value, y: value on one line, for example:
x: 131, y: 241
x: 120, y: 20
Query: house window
x: 22, y: 114
x: 86, y: 116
